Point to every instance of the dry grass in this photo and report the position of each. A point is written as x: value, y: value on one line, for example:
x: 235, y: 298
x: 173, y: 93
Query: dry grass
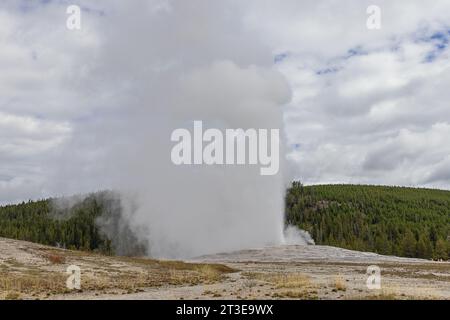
x: 382, y: 296
x: 12, y: 296
x: 209, y: 273
x: 419, y: 274
x: 339, y: 284
x: 296, y: 294
x: 289, y: 280
x: 398, y: 293
x: 99, y: 274
x: 296, y: 280
x: 300, y: 285
x: 56, y: 259
x: 151, y: 277
x: 31, y: 284
x: 214, y: 294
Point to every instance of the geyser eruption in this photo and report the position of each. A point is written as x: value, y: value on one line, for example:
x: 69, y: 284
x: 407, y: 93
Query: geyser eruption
x: 159, y: 66
x: 198, y: 209
x: 296, y: 236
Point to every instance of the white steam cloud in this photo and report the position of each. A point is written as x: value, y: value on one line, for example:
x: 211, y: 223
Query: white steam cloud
x: 194, y: 63
x: 132, y: 75
x: 296, y: 236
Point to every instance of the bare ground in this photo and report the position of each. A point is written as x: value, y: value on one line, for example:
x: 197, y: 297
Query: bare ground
x: 33, y: 271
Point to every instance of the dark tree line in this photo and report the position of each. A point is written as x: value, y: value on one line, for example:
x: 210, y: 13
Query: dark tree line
x: 93, y: 223
x: 388, y: 220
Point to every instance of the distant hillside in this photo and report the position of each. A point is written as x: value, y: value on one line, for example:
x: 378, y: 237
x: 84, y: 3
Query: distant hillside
x: 93, y: 223
x: 388, y: 220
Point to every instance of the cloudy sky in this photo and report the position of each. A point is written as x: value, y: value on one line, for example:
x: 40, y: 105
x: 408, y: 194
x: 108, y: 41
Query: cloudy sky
x: 365, y: 106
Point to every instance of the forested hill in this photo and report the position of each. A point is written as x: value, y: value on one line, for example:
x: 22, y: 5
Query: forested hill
x: 94, y: 222
x: 388, y: 220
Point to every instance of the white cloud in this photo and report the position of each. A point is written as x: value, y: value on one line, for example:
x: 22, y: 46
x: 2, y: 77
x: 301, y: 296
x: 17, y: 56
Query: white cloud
x: 358, y: 94
x: 380, y: 118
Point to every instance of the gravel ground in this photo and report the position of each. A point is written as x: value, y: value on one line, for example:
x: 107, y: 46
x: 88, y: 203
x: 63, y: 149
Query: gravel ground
x: 282, y: 272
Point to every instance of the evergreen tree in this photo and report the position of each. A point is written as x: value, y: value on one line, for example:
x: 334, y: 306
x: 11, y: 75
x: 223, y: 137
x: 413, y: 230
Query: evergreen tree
x: 441, y: 250
x: 388, y: 220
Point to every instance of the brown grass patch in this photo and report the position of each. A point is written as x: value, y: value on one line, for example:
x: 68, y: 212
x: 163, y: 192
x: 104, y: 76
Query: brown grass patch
x: 339, y: 284
x: 300, y: 285
x: 382, y: 296
x: 32, y: 284
x: 289, y: 280
x: 56, y: 259
x: 12, y: 296
x: 296, y: 294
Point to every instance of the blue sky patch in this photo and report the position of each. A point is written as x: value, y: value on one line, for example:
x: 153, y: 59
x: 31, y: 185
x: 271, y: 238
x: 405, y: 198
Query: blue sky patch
x: 280, y: 57
x: 440, y: 41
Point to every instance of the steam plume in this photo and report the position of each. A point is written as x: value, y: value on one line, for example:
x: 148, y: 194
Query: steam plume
x: 160, y: 66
